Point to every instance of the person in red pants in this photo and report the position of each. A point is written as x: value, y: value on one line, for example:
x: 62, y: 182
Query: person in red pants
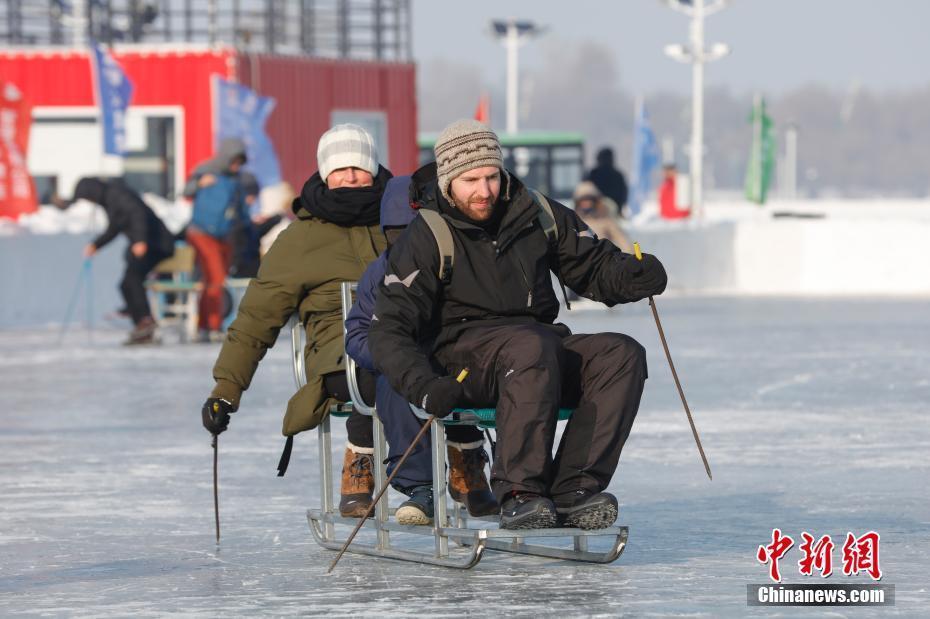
x: 221, y: 191
x: 213, y: 255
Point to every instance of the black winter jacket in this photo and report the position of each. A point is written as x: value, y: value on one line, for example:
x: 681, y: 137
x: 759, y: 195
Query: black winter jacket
x: 126, y: 213
x: 502, y: 280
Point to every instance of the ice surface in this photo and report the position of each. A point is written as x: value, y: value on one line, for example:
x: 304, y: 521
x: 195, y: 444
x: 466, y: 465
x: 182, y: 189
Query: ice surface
x: 814, y: 416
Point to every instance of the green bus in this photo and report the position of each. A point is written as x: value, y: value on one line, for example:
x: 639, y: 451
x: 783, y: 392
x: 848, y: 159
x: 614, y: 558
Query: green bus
x: 550, y: 161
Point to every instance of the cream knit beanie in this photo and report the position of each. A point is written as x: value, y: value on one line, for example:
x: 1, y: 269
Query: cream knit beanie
x: 346, y: 146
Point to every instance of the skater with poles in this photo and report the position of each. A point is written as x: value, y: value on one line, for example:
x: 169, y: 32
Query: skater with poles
x: 150, y: 242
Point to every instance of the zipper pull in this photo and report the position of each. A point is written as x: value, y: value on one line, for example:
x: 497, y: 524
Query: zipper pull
x: 529, y: 299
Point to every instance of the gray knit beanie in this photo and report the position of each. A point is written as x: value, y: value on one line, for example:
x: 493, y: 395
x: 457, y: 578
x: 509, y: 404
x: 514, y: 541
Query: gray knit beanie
x: 346, y: 146
x: 462, y: 146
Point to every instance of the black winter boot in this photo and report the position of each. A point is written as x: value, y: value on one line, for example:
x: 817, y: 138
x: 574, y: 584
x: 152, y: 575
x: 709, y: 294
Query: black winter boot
x: 585, y: 509
x: 418, y: 509
x: 525, y: 510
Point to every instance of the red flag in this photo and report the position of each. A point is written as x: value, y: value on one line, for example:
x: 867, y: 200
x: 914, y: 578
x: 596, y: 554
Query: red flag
x: 483, y: 111
x: 17, y: 191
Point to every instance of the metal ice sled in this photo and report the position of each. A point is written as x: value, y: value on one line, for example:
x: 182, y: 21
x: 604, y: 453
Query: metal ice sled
x: 430, y: 544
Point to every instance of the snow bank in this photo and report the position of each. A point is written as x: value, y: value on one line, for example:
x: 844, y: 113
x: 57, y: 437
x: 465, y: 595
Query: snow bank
x: 86, y: 217
x: 810, y: 248
x: 797, y: 248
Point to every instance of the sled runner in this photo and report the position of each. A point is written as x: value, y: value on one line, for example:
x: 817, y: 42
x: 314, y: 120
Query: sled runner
x: 470, y: 536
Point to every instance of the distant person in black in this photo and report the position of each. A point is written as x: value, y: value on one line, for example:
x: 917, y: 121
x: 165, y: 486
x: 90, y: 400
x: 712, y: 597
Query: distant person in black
x: 150, y: 242
x: 609, y: 180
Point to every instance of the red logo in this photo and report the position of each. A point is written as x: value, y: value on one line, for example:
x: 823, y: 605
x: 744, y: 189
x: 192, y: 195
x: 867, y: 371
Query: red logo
x: 773, y: 552
x: 860, y: 554
x: 817, y: 556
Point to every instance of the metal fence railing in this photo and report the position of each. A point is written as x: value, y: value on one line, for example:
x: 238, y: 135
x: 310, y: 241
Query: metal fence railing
x: 359, y: 29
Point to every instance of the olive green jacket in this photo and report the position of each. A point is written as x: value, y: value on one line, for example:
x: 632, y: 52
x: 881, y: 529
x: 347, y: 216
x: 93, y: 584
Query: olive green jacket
x: 301, y: 273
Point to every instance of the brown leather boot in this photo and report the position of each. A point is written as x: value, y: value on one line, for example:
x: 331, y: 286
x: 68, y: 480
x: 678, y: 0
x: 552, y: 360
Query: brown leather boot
x: 467, y: 481
x: 358, y: 482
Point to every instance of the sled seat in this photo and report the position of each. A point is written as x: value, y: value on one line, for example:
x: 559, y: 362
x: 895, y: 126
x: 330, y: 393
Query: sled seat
x: 484, y: 418
x: 343, y: 409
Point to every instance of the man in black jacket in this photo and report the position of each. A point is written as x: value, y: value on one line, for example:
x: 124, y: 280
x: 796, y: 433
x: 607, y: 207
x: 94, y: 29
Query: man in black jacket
x: 150, y: 242
x: 494, y: 316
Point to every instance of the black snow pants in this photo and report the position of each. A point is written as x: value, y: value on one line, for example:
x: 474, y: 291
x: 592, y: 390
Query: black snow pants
x: 358, y: 426
x: 132, y: 285
x: 528, y: 372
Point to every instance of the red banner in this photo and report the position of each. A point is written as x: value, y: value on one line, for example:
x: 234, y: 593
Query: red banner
x: 17, y: 191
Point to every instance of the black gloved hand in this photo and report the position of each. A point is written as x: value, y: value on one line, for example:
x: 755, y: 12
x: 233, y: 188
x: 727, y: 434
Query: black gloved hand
x: 215, y: 413
x: 441, y: 395
x: 643, y: 278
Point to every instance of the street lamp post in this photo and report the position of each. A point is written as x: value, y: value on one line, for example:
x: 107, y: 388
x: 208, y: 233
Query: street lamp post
x: 79, y: 23
x: 695, y: 54
x: 513, y: 33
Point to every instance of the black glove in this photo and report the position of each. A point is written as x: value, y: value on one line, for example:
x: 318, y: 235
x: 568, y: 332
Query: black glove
x: 215, y: 413
x: 441, y: 395
x: 643, y: 278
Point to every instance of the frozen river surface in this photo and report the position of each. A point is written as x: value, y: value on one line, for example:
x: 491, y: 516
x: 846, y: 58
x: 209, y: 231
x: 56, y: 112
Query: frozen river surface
x: 815, y: 416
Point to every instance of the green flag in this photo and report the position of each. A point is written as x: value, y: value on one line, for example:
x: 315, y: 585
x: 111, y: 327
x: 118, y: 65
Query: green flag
x: 762, y: 156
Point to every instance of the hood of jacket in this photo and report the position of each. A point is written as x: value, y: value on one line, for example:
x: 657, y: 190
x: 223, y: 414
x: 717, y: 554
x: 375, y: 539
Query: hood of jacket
x: 91, y: 189
x: 396, y: 209
x: 605, y: 158
x: 230, y: 149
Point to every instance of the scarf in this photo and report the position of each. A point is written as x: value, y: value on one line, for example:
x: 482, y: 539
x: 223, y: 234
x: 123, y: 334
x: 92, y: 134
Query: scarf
x: 346, y: 206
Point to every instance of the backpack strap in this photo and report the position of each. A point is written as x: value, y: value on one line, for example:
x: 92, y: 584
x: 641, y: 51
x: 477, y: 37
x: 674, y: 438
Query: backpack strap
x: 547, y: 221
x: 443, y: 236
x: 546, y: 217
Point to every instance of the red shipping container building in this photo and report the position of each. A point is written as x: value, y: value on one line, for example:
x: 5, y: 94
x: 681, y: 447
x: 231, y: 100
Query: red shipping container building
x: 311, y: 94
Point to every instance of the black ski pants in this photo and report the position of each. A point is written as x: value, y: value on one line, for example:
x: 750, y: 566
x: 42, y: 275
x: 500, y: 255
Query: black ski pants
x: 528, y: 372
x: 358, y: 426
x: 132, y: 285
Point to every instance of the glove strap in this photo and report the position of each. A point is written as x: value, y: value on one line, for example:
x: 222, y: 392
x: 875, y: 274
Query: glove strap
x: 285, y: 456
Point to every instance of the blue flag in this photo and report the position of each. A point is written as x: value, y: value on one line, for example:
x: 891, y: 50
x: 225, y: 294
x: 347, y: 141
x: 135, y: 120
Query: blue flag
x: 114, y: 90
x: 241, y: 113
x: 645, y: 159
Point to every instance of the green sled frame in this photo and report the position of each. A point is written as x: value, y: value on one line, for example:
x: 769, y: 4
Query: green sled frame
x: 470, y: 537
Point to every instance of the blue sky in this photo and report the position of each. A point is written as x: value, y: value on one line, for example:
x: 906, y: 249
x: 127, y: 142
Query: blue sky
x: 777, y: 44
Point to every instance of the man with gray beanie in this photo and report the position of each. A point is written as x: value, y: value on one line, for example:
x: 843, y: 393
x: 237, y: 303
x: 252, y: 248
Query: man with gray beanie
x: 335, y: 235
x: 491, y: 308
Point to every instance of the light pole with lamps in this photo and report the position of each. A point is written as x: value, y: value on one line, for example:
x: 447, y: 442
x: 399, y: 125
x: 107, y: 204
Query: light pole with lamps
x: 513, y: 33
x: 695, y: 54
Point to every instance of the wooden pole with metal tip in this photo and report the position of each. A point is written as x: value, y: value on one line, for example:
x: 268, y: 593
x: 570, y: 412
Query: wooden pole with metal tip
x: 668, y: 355
x: 387, y: 483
